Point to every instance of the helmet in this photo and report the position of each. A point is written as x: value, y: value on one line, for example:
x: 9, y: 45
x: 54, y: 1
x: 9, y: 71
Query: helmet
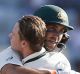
x: 53, y: 14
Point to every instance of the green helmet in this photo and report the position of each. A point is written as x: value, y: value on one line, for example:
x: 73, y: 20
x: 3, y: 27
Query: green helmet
x: 53, y: 14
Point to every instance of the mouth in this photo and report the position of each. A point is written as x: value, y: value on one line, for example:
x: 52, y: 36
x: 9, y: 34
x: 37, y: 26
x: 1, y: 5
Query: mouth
x: 50, y: 45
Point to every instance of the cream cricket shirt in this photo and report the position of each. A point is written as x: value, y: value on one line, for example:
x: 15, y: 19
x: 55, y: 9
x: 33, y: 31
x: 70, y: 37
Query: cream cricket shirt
x: 49, y: 61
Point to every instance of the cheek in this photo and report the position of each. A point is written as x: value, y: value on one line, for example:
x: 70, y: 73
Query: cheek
x: 15, y: 44
x: 15, y: 41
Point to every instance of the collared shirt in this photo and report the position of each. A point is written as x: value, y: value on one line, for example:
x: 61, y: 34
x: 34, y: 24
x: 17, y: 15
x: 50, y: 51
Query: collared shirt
x: 51, y: 60
x: 34, y: 55
x: 40, y: 63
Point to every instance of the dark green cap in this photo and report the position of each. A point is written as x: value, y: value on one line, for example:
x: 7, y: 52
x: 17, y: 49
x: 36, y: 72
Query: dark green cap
x: 53, y: 14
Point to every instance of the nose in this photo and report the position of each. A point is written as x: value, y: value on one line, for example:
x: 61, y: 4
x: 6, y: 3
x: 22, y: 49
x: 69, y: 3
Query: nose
x: 52, y: 36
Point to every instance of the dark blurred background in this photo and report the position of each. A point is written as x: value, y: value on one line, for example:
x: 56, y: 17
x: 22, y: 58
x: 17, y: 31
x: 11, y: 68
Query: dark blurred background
x: 12, y: 10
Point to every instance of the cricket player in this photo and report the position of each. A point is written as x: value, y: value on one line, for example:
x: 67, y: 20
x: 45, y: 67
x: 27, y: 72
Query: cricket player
x: 52, y: 60
x: 27, y: 38
x: 57, y: 24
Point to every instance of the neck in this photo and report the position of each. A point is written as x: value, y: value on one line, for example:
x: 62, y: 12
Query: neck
x: 27, y: 52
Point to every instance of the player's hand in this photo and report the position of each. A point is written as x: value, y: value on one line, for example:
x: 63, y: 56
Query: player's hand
x: 54, y: 72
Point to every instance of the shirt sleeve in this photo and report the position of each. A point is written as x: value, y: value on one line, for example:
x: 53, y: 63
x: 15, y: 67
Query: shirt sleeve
x: 8, y: 56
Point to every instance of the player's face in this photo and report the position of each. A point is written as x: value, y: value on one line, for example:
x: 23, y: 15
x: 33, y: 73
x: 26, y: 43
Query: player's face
x: 14, y: 38
x: 54, y: 35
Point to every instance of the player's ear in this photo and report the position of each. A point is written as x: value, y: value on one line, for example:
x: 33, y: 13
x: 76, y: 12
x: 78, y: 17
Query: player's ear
x: 24, y: 43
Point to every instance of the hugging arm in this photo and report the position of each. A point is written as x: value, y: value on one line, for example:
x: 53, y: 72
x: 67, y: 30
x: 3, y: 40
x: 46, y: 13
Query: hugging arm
x: 15, y: 69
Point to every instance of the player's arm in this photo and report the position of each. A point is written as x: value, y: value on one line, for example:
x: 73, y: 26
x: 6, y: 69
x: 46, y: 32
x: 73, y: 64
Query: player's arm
x: 14, y: 69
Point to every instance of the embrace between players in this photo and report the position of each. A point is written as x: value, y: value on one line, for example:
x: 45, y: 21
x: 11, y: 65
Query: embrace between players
x: 36, y: 44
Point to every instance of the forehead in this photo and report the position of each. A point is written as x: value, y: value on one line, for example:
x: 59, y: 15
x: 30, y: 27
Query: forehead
x: 16, y: 27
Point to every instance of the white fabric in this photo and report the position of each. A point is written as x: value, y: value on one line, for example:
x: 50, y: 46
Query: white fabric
x: 33, y: 55
x: 74, y: 72
x: 49, y: 61
x: 60, y: 61
x: 68, y: 72
x: 39, y: 63
x: 8, y: 56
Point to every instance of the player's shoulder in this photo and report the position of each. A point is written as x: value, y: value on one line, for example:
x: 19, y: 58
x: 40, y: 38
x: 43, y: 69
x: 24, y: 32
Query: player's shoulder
x: 62, y: 57
x: 8, y: 52
x: 9, y: 56
x: 5, y: 50
x: 64, y: 61
x: 60, y: 60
